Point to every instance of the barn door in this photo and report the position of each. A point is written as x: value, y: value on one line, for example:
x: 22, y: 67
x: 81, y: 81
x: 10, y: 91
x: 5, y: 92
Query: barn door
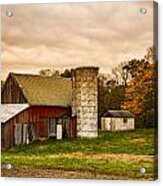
x: 31, y: 132
x: 24, y: 133
x: 52, y: 127
x: 66, y: 127
x: 18, y: 137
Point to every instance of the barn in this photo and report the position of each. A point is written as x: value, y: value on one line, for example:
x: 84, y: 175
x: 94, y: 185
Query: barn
x: 117, y: 120
x: 36, y: 107
x: 33, y: 107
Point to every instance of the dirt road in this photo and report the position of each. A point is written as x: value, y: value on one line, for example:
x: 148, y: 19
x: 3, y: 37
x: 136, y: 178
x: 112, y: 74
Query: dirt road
x: 25, y: 172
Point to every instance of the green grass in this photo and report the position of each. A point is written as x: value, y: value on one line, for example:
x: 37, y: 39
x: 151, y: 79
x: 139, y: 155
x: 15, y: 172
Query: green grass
x: 131, y: 142
x: 52, y: 154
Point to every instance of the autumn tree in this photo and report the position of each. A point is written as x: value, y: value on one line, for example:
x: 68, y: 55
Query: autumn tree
x: 140, y: 91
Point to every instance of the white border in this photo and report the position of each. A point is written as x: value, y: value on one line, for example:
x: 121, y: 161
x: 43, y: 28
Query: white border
x: 60, y: 182
x: 55, y: 1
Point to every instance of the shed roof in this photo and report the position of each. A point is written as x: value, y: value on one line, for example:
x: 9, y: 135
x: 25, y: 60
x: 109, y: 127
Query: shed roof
x: 118, y: 114
x: 8, y: 111
x: 50, y: 91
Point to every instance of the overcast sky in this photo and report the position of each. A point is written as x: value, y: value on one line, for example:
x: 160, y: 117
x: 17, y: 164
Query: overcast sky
x: 69, y: 35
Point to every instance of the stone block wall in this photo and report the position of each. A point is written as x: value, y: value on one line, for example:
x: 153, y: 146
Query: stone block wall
x: 85, y: 101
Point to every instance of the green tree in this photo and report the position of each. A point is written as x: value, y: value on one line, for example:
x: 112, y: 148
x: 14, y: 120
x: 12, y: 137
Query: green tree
x: 121, y: 74
x: 49, y: 72
x: 110, y: 94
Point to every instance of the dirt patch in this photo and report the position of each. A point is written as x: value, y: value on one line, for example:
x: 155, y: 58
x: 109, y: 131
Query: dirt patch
x: 124, y: 157
x: 56, y: 173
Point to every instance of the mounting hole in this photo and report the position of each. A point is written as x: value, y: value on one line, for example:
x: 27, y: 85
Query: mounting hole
x: 9, y: 14
x: 8, y: 166
x: 143, y: 11
x: 142, y: 170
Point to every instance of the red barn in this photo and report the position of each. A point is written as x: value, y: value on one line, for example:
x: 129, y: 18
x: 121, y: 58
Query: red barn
x: 36, y: 107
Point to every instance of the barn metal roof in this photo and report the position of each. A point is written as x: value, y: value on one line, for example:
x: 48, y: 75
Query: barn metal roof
x: 41, y: 90
x: 8, y: 111
x: 118, y: 114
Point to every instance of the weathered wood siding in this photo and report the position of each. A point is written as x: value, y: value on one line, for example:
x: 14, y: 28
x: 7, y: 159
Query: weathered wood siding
x: 8, y: 128
x: 6, y: 135
x: 105, y: 124
x: 40, y: 114
x: 11, y: 92
x: 37, y: 115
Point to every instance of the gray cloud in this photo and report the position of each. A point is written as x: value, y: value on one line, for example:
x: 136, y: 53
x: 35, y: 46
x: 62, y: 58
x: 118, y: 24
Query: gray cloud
x: 68, y: 35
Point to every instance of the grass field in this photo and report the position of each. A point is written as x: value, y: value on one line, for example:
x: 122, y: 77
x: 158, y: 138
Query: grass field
x: 119, y: 154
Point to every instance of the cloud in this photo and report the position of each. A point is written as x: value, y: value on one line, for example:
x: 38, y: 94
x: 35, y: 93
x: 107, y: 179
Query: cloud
x: 68, y: 35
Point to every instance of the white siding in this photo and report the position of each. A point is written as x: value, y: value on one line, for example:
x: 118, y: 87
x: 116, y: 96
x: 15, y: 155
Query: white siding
x: 105, y: 124
x: 117, y: 124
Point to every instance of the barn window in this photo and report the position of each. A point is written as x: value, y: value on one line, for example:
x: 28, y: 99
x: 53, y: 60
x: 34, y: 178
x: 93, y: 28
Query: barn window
x: 124, y: 120
x: 59, y: 121
x: 52, y: 126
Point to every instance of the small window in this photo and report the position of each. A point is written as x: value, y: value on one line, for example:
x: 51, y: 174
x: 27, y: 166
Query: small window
x: 124, y: 120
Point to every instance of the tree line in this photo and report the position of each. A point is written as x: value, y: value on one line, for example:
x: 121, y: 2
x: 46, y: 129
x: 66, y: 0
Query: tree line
x: 132, y: 85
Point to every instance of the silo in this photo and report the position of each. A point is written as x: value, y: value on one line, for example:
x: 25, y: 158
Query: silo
x: 85, y: 101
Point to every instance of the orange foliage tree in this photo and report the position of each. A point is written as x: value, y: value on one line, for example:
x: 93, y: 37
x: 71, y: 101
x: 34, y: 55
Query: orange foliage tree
x: 140, y: 92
